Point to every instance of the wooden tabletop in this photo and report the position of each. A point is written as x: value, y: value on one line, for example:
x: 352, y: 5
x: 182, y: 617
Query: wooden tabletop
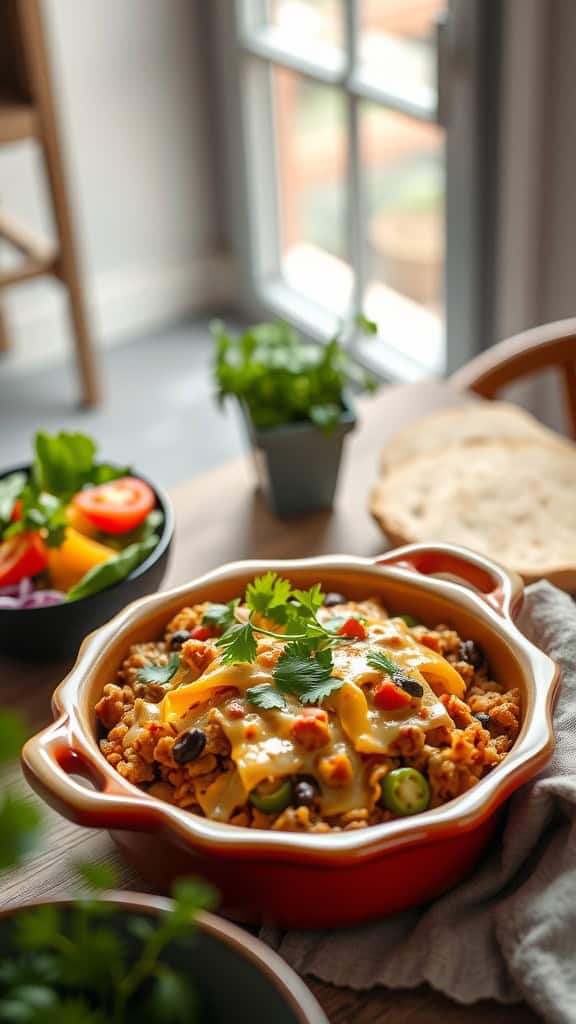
x: 220, y: 518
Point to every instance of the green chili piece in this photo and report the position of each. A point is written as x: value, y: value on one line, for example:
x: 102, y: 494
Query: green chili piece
x: 405, y: 791
x: 272, y: 797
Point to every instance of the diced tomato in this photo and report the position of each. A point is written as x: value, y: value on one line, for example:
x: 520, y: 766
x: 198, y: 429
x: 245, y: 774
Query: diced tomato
x: 22, y: 556
x: 202, y: 633
x: 389, y: 697
x: 354, y: 629
x: 117, y: 506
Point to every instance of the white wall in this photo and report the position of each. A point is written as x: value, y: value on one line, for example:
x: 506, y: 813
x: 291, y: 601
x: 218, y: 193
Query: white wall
x: 136, y: 133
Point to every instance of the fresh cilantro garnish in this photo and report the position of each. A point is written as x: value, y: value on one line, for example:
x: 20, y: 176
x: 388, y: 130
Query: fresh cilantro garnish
x: 383, y: 662
x: 238, y: 644
x: 268, y: 596
x: 306, y: 673
x: 310, y: 600
x: 222, y: 616
x: 160, y: 674
x: 266, y: 697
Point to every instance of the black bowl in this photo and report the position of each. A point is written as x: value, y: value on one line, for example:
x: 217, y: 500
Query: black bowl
x: 58, y: 630
x: 237, y: 978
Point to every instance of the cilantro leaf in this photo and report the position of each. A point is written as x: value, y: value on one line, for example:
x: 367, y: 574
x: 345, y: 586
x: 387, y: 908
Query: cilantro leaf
x: 266, y: 697
x: 308, y: 677
x: 11, y: 488
x: 311, y: 600
x: 172, y: 998
x: 315, y: 694
x: 268, y: 595
x: 160, y: 674
x: 222, y: 616
x: 368, y: 327
x: 238, y: 644
x: 383, y: 662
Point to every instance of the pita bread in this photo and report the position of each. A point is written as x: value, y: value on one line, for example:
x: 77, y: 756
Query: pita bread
x: 473, y: 424
x: 512, y: 501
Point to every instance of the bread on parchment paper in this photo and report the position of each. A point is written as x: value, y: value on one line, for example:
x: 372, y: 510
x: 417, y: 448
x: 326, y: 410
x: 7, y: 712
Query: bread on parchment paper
x: 514, y: 501
x: 471, y: 424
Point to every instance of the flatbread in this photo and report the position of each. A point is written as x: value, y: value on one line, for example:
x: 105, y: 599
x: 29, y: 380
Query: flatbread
x: 473, y: 424
x: 512, y: 501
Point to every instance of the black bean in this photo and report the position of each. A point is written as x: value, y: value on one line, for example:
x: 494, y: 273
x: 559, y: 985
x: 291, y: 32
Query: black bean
x: 408, y: 684
x: 483, y: 718
x: 306, y: 791
x: 333, y: 598
x: 471, y: 652
x: 189, y: 746
x: 178, y: 638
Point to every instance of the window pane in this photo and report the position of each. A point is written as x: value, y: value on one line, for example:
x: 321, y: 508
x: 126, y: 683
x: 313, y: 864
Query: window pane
x: 403, y: 165
x: 311, y: 154
x: 304, y: 22
x: 397, y: 48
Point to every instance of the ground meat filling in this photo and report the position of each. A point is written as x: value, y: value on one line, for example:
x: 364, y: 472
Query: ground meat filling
x: 179, y: 769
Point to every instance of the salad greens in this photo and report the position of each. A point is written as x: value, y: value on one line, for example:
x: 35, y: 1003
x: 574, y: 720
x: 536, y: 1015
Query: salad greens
x: 281, y: 379
x: 114, y: 570
x: 44, y: 532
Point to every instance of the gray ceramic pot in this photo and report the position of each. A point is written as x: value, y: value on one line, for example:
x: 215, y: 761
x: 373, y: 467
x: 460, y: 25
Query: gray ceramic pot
x: 297, y: 464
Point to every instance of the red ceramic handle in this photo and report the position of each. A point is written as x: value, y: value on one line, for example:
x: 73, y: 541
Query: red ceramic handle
x: 50, y: 761
x: 501, y: 589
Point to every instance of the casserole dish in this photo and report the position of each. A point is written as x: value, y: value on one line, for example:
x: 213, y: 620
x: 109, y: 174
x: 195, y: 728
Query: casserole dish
x: 307, y: 879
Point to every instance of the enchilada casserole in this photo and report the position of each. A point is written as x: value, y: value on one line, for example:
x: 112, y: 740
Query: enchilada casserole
x: 298, y: 710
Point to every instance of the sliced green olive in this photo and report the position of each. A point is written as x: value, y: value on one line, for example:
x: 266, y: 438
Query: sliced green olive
x: 405, y: 791
x: 272, y: 797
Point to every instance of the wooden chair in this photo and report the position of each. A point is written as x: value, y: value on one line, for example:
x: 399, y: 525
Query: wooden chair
x: 27, y: 112
x: 540, y: 348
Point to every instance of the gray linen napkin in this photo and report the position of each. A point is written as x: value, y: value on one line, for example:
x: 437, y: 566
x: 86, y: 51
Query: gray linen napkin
x: 509, y: 931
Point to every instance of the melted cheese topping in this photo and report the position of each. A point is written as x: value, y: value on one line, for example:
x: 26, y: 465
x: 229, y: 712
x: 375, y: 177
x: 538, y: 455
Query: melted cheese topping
x: 262, y: 742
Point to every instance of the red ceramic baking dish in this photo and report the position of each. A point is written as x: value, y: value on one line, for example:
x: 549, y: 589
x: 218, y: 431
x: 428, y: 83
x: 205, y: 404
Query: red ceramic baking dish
x: 307, y: 879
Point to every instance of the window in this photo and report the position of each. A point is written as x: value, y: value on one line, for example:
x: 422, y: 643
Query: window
x: 341, y: 170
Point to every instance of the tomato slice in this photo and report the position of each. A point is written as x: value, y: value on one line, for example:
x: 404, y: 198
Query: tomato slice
x: 117, y: 506
x: 389, y: 697
x: 21, y: 556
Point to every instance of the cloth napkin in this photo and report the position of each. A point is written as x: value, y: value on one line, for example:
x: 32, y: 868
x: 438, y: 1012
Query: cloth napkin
x: 509, y: 931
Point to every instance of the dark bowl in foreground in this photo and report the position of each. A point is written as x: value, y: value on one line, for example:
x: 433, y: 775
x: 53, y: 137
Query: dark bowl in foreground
x: 237, y: 977
x: 58, y: 630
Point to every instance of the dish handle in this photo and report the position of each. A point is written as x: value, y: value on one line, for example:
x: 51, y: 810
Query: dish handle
x: 52, y: 762
x: 501, y: 589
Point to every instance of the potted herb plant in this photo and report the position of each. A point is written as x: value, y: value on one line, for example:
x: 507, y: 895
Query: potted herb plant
x: 297, y: 407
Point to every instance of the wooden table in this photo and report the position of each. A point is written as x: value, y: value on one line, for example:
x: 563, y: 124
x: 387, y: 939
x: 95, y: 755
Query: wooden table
x: 220, y: 518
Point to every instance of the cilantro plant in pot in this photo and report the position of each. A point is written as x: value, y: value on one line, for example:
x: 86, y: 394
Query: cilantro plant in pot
x: 296, y: 403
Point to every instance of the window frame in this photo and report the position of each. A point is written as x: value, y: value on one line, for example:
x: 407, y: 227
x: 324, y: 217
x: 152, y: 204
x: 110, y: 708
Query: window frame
x: 468, y: 63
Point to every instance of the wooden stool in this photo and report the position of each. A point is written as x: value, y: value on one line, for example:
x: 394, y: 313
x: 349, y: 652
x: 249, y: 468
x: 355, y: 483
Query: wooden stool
x: 27, y: 112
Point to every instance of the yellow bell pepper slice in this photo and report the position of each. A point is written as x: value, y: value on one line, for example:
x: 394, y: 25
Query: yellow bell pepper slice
x: 72, y: 560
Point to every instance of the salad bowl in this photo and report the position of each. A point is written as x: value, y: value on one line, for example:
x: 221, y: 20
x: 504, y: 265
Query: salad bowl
x: 307, y: 879
x: 56, y: 630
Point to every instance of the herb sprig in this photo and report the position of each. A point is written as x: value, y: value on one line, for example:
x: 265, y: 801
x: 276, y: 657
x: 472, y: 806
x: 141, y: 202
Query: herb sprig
x: 75, y: 966
x: 305, y: 668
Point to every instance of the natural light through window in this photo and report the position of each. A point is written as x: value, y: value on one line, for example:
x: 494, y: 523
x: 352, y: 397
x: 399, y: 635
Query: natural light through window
x: 357, y: 161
